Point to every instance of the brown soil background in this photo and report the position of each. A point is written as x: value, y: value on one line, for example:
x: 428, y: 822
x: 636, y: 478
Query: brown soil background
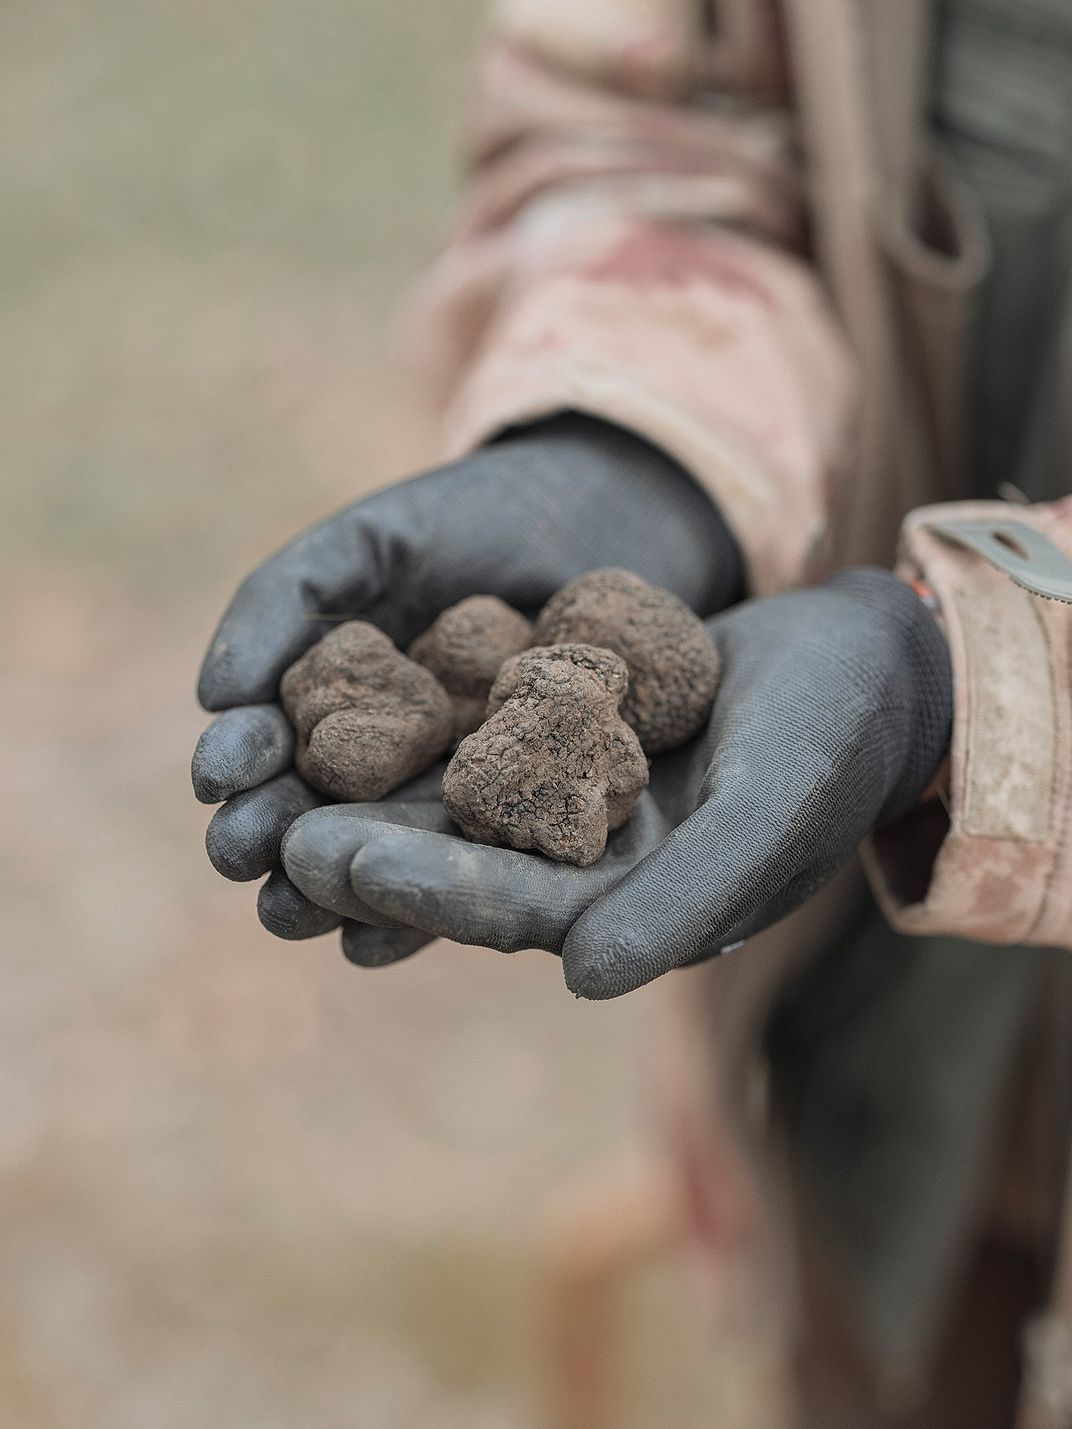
x: 242, y: 1183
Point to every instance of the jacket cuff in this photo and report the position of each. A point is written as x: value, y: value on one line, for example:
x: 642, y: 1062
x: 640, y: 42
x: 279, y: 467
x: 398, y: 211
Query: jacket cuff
x: 712, y: 347
x: 997, y: 865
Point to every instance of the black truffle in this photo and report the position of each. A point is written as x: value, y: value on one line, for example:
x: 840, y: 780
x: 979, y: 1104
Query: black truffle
x: 555, y: 767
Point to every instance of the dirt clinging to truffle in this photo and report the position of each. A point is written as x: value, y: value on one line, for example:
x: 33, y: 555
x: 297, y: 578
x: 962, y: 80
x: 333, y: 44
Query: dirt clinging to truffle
x: 367, y: 717
x: 555, y: 767
x: 465, y: 648
x: 673, y: 667
x: 551, y: 736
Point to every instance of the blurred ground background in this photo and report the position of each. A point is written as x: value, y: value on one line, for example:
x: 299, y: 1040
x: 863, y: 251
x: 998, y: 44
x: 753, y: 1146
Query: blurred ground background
x: 242, y: 1184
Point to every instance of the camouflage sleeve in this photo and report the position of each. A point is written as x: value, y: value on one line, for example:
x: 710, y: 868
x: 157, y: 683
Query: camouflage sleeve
x: 991, y: 857
x: 633, y: 245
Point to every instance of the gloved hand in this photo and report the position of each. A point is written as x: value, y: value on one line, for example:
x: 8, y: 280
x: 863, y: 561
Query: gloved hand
x: 833, y: 714
x: 518, y: 519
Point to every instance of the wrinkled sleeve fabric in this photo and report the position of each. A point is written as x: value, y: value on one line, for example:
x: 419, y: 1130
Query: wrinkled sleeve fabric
x: 996, y: 864
x: 633, y: 246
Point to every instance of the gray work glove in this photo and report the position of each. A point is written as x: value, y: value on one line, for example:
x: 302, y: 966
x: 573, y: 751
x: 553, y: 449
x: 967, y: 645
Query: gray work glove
x: 518, y: 519
x: 833, y: 714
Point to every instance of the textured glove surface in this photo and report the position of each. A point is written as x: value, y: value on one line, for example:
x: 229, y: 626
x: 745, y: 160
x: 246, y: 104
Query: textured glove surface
x: 518, y: 520
x: 833, y: 713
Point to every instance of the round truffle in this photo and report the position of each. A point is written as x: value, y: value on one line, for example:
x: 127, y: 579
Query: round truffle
x: 555, y: 767
x: 673, y: 667
x: 465, y: 648
x: 367, y: 718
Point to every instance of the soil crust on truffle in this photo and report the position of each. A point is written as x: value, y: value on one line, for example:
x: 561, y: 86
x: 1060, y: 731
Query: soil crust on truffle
x: 367, y: 717
x: 555, y: 767
x: 465, y: 649
x: 673, y: 667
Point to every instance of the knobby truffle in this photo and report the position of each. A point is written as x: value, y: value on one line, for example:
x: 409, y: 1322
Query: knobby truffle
x: 673, y: 667
x: 367, y: 718
x: 555, y: 767
x: 465, y: 649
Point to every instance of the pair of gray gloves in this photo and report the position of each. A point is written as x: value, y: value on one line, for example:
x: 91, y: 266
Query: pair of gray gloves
x: 833, y: 713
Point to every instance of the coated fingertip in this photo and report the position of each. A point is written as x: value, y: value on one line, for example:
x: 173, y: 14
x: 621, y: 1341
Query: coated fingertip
x: 223, y: 683
x: 229, y: 855
x: 370, y: 947
x: 240, y: 750
x: 316, y: 852
x: 287, y: 913
x: 244, y: 834
x: 215, y: 683
x: 207, y: 789
x: 598, y: 972
x: 203, y: 775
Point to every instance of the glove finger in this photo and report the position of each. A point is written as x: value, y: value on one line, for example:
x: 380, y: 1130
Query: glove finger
x: 710, y: 878
x: 244, y: 835
x: 288, y: 914
x: 318, y: 850
x: 492, y: 897
x: 241, y: 749
x: 370, y: 947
